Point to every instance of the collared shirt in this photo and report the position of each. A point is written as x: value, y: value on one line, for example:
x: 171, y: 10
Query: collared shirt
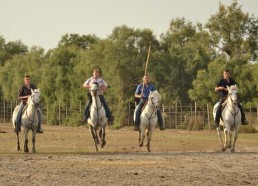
x: 99, y: 80
x: 25, y: 91
x: 146, y: 90
x: 224, y: 83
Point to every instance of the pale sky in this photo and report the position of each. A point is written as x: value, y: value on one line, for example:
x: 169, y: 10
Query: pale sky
x: 44, y: 22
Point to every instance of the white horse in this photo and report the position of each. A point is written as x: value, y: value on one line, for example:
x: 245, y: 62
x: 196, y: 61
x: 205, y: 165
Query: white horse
x: 29, y: 119
x: 231, y: 119
x: 148, y: 118
x: 97, y: 117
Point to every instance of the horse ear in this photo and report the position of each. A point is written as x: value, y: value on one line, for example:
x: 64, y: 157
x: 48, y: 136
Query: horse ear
x: 228, y: 87
x: 32, y: 91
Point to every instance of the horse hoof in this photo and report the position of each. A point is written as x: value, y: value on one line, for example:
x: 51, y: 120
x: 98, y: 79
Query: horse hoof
x: 103, y: 144
x: 26, y: 150
x: 223, y: 149
x: 34, y: 151
x: 18, y: 148
x: 140, y: 144
x: 232, y: 150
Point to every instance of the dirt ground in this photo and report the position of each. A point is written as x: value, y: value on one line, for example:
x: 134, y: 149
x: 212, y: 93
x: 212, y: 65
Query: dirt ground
x: 67, y: 156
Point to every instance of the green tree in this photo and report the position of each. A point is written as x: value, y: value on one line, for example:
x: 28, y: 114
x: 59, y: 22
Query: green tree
x: 234, y: 32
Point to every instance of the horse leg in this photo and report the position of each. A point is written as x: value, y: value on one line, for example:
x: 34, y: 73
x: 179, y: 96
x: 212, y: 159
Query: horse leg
x: 230, y: 139
x: 26, y: 149
x: 226, y: 139
x: 220, y: 139
x: 18, y: 141
x: 142, y: 136
x: 149, y: 134
x: 93, y: 135
x: 103, y: 141
x: 235, y: 138
x: 34, y: 140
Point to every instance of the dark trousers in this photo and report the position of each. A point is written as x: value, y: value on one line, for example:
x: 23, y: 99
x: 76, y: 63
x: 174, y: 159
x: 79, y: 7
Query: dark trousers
x: 138, y: 114
x: 86, y: 113
x: 219, y: 111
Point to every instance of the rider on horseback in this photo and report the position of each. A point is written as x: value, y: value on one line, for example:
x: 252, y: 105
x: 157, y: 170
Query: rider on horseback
x: 142, y: 92
x: 102, y: 86
x: 221, y: 88
x: 23, y: 95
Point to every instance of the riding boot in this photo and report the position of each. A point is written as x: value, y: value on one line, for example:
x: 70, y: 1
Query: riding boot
x: 138, y: 115
x: 108, y: 112
x: 39, y: 130
x: 86, y: 113
x: 243, y: 119
x: 160, y: 120
x: 218, y: 115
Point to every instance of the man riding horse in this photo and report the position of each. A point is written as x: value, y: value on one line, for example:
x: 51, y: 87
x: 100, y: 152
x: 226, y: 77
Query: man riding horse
x: 24, y: 94
x: 142, y: 92
x: 221, y: 88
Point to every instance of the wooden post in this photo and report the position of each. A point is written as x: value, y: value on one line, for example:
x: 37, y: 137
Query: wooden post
x: 181, y: 113
x: 176, y: 115
x: 163, y: 112
x: 4, y: 111
x: 59, y: 112
x: 208, y: 115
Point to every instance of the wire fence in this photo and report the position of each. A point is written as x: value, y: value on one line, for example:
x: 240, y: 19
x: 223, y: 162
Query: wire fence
x: 176, y: 115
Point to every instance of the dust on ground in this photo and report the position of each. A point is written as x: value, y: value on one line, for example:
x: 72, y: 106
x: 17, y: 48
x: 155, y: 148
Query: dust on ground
x: 67, y: 156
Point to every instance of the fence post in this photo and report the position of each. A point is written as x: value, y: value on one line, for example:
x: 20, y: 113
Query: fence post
x: 163, y: 112
x: 4, y: 111
x: 129, y: 113
x: 59, y: 112
x: 176, y: 115
x: 208, y: 112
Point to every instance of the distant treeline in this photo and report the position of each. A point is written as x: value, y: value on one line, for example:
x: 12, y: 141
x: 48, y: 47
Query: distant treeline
x: 185, y: 62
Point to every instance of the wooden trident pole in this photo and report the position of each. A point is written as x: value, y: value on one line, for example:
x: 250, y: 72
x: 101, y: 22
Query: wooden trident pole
x: 146, y: 65
x: 147, y: 61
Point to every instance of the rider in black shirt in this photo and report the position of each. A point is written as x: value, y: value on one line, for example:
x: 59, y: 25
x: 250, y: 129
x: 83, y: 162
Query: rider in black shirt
x: 221, y: 88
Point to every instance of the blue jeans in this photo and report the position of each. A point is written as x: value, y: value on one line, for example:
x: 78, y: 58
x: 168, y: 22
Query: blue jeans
x: 138, y: 114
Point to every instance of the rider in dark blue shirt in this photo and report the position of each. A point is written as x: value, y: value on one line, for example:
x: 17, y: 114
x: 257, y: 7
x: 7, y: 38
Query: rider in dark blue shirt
x: 142, y: 92
x: 221, y: 88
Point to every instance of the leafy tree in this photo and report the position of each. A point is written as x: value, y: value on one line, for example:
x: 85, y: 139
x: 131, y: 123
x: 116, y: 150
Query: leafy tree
x: 234, y: 32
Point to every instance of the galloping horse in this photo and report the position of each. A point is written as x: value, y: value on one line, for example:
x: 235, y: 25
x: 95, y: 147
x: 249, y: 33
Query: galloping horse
x: 231, y: 119
x: 29, y: 120
x: 149, y: 118
x: 97, y: 118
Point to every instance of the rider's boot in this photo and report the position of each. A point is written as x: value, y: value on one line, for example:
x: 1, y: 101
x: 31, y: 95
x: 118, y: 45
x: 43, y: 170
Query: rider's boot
x: 160, y: 120
x: 243, y: 118
x: 218, y: 115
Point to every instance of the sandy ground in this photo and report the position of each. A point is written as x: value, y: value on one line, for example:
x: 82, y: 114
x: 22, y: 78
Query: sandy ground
x: 66, y: 156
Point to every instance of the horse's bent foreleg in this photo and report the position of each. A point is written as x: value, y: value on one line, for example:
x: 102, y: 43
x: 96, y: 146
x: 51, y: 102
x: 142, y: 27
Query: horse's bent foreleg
x: 103, y: 141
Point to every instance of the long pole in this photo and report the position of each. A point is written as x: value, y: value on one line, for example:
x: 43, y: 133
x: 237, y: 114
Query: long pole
x: 147, y: 61
x: 146, y: 65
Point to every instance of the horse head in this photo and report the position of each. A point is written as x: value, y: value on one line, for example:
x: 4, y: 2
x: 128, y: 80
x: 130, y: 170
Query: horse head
x: 34, y: 97
x: 94, y: 88
x: 232, y: 93
x: 154, y: 98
